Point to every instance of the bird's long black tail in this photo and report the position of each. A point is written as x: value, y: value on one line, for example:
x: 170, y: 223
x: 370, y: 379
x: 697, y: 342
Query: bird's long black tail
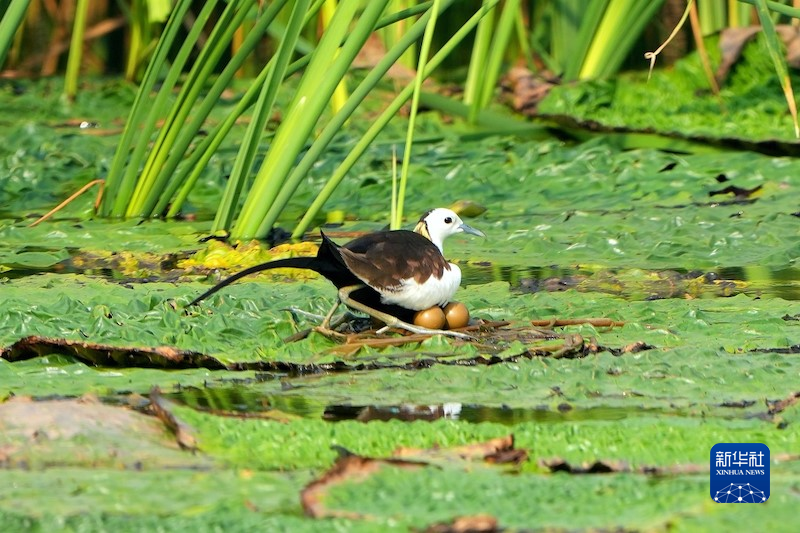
x: 310, y: 263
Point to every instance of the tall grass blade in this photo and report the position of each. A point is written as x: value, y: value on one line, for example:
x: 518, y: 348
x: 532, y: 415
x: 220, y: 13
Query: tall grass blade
x: 384, y: 118
x: 151, y: 183
x: 477, y: 63
x: 566, y: 19
x: 138, y: 35
x: 187, y: 175
x: 191, y: 170
x: 323, y: 73
x: 340, y: 93
x: 430, y: 27
x: 144, y: 111
x: 622, y: 23
x: 778, y: 60
x: 777, y: 7
x: 705, y: 60
x: 370, y: 81
x: 328, y: 65
x: 712, y: 15
x: 501, y: 39
x: 169, y: 178
x: 11, y: 21
x: 75, y: 50
x: 586, y: 31
x: 262, y: 112
x: 393, y: 33
x: 738, y: 14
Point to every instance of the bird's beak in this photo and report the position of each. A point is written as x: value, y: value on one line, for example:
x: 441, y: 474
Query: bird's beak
x: 472, y: 231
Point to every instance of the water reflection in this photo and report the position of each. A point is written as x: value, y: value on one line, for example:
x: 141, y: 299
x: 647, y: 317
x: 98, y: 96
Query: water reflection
x: 477, y: 413
x: 637, y: 284
x: 631, y: 283
x: 241, y: 401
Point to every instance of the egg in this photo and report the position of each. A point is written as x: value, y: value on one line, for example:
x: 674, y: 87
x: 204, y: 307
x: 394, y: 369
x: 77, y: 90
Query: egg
x: 431, y: 318
x: 456, y: 315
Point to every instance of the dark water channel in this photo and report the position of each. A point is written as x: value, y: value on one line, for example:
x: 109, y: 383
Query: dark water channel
x: 643, y: 285
x: 242, y: 401
x: 633, y: 284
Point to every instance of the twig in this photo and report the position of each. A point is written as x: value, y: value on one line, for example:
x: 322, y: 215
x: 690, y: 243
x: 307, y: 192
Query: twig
x: 702, y: 52
x: 652, y: 55
x: 597, y: 322
x: 71, y: 198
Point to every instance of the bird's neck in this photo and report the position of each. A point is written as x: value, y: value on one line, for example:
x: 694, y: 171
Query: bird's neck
x: 422, y: 229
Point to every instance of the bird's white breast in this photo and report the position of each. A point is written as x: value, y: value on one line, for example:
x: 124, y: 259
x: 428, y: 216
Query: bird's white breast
x: 418, y: 296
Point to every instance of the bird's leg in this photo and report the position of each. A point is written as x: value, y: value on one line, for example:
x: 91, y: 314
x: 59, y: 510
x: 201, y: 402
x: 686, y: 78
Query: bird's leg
x: 327, y: 327
x: 390, y: 320
x: 329, y: 324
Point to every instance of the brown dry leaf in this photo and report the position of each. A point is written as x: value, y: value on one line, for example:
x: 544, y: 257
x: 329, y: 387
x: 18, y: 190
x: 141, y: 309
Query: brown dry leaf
x: 372, y: 52
x: 355, y: 468
x: 482, y: 450
x: 635, y: 347
x: 490, y: 338
x: 557, y: 322
x: 108, y: 355
x: 162, y: 408
x: 781, y: 405
x: 527, y: 89
x: 479, y: 523
x: 505, y: 457
x: 353, y: 342
x: 731, y: 44
x: 495, y: 451
x: 347, y: 468
x: 733, y: 40
x: 790, y: 35
x: 674, y: 470
x: 786, y: 457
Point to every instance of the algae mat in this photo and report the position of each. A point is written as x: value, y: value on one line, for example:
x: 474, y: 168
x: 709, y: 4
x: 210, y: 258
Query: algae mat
x: 122, y: 410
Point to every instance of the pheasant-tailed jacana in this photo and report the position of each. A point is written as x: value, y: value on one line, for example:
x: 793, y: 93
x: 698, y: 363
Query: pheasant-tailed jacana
x: 388, y: 275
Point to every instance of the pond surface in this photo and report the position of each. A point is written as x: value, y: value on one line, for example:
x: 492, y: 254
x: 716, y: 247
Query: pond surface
x: 692, y: 254
x: 243, y: 401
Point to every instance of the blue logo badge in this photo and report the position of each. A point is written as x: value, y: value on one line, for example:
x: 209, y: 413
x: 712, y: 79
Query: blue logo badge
x: 740, y: 472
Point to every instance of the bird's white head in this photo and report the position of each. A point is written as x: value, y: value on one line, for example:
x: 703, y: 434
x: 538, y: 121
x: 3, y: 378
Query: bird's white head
x: 438, y: 224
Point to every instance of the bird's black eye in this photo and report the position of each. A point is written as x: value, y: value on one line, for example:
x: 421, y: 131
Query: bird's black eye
x: 448, y: 220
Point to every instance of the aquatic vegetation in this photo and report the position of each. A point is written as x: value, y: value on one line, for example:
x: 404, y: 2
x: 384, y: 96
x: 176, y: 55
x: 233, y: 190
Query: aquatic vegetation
x: 689, y: 255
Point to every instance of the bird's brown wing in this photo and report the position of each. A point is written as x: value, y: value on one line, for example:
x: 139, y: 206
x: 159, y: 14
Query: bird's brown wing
x: 383, y: 259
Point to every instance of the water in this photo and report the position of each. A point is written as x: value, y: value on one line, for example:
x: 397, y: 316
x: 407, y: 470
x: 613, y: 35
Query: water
x: 644, y: 284
x: 241, y: 401
x: 633, y: 284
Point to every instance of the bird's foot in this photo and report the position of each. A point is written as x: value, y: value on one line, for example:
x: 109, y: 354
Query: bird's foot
x: 330, y: 333
x: 333, y: 323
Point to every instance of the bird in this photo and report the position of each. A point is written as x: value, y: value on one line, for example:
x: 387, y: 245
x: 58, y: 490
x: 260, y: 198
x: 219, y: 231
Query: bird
x: 388, y: 275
